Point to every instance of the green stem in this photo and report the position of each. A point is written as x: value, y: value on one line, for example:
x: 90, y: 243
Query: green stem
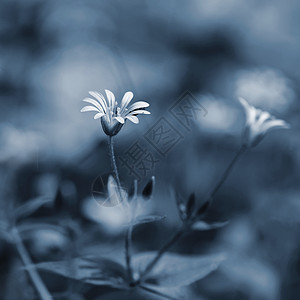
x: 128, y: 235
x: 35, y: 278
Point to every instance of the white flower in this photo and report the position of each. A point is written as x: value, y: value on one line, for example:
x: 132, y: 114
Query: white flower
x: 258, y: 123
x: 113, y: 116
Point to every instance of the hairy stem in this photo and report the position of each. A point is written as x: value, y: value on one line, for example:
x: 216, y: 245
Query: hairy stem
x: 35, y: 277
x: 113, y: 161
x: 128, y: 235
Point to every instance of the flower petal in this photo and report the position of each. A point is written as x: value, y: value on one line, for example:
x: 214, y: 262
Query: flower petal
x: 244, y: 103
x: 139, y: 112
x: 89, y: 108
x: 120, y: 120
x: 264, y: 116
x: 133, y: 119
x: 258, y: 123
x: 94, y: 102
x: 125, y: 100
x: 137, y: 105
x: 100, y: 98
x: 98, y: 115
x: 250, y: 111
x: 111, y: 99
x: 276, y: 123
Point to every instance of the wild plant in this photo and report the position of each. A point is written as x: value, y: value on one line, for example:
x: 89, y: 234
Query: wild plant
x: 158, y: 273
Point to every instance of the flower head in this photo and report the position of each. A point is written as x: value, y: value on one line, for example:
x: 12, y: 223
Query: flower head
x: 113, y: 116
x: 258, y: 123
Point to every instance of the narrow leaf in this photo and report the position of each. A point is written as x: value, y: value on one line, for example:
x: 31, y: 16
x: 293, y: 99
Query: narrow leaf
x: 153, y: 289
x: 190, y: 205
x: 31, y: 206
x: 203, y: 209
x: 27, y: 228
x: 97, y: 271
x: 146, y: 219
x: 132, y: 294
x: 115, y: 193
x: 149, y: 188
x: 181, y: 207
x: 203, y: 226
x: 58, y: 201
x: 177, y: 270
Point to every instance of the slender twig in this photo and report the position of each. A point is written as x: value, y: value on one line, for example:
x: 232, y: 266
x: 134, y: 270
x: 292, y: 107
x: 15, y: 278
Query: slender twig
x: 134, y: 199
x: 175, y: 237
x: 128, y: 234
x: 227, y: 171
x: 128, y: 240
x: 35, y: 277
x: 113, y: 161
x: 181, y: 231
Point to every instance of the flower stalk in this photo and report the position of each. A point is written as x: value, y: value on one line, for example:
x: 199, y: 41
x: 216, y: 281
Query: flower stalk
x: 128, y: 234
x: 113, y: 117
x: 34, y: 276
x: 128, y: 242
x: 113, y: 162
x: 227, y: 171
x: 174, y: 238
x: 258, y: 123
x: 187, y: 225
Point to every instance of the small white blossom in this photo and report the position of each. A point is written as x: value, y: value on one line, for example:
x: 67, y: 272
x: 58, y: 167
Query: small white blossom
x: 113, y: 116
x: 258, y: 123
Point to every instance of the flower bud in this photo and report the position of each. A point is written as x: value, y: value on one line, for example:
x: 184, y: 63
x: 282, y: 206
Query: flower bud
x: 148, y: 189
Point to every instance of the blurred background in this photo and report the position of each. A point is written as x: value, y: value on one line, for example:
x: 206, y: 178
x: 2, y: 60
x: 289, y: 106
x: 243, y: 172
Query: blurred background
x: 53, y: 52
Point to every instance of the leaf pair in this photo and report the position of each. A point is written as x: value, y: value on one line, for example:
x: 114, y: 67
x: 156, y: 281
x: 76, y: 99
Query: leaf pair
x: 172, y: 272
x: 117, y: 195
x: 187, y: 210
x: 176, y: 269
x: 192, y: 215
x: 145, y: 220
x: 93, y: 270
x: 138, y: 204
